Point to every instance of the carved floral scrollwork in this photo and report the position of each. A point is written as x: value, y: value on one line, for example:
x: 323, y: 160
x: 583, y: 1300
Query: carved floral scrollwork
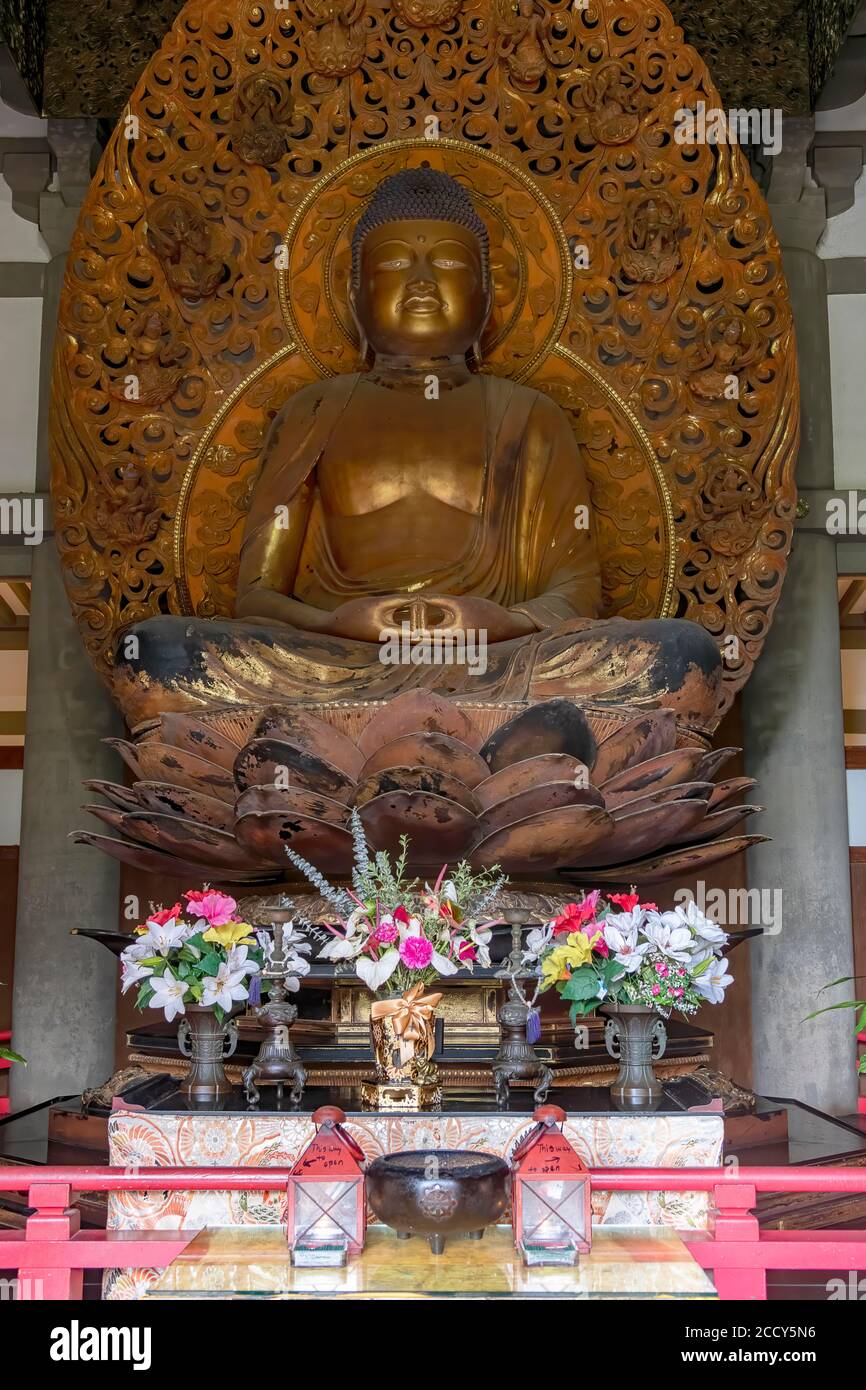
x: 263, y: 111
x: 336, y: 44
x: 427, y: 14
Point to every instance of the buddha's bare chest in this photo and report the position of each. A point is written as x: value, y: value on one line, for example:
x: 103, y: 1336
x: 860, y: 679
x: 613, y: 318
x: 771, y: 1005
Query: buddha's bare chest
x: 410, y: 455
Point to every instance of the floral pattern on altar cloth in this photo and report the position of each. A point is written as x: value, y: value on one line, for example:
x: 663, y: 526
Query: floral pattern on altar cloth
x: 138, y: 1139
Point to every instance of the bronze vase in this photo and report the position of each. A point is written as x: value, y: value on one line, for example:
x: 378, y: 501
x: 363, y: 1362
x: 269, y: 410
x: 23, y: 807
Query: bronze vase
x: 635, y: 1036
x: 208, y: 1043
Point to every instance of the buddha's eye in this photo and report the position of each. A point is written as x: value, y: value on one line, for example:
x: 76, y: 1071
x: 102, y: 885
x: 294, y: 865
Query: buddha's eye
x: 394, y: 263
x: 449, y: 263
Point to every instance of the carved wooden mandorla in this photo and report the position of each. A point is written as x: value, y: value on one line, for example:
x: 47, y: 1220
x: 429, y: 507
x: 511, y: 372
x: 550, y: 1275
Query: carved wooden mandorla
x: 638, y: 282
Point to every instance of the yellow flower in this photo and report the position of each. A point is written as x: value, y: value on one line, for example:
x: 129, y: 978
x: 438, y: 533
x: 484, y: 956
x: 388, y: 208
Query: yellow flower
x: 231, y: 934
x: 576, y: 951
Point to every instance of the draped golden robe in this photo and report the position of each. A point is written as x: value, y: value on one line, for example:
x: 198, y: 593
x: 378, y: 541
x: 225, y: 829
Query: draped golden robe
x: 528, y: 551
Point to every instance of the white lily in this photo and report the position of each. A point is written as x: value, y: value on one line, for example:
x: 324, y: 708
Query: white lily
x: 620, y: 935
x: 225, y: 987
x: 666, y: 933
x: 714, y: 981
x: 375, y: 973
x: 296, y: 966
x: 162, y: 937
x: 537, y: 941
x: 702, y: 926
x: 168, y: 994
x: 133, y: 971
x: 238, y: 959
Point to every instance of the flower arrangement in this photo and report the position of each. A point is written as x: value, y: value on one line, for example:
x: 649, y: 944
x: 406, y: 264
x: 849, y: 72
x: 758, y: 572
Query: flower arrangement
x: 622, y: 951
x: 201, y: 954
x: 399, y: 932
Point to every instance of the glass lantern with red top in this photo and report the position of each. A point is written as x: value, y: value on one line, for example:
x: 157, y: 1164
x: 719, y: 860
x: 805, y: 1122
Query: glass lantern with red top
x: 551, y: 1206
x: 327, y: 1211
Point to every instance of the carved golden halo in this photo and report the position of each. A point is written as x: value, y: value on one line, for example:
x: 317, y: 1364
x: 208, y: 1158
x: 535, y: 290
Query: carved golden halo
x: 668, y: 604
x: 180, y: 515
x: 458, y: 147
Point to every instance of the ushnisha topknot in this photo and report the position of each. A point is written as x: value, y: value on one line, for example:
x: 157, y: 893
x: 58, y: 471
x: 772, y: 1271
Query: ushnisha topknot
x: 419, y: 193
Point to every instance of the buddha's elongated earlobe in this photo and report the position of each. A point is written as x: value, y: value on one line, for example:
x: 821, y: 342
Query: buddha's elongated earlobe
x: 363, y: 345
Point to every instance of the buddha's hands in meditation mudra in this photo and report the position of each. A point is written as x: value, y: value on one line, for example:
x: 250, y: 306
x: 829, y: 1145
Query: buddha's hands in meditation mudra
x: 421, y: 493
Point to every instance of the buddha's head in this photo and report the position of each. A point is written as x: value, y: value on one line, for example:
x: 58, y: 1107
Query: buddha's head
x: 420, y: 283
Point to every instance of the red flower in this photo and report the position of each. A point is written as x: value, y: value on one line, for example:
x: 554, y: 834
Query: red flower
x: 627, y: 901
x: 401, y: 915
x: 165, y: 914
x: 576, y: 915
x: 467, y: 951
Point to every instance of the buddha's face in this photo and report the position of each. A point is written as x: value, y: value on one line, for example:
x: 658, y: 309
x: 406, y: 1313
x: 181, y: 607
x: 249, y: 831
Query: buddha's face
x: 421, y: 290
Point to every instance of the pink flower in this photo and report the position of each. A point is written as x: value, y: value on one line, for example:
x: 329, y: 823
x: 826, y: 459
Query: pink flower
x: 661, y: 968
x: 385, y: 933
x: 415, y: 952
x: 656, y: 989
x: 677, y: 993
x: 216, y: 908
x: 466, y: 951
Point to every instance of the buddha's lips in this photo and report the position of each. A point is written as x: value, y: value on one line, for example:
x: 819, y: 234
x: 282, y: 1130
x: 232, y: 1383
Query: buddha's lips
x: 422, y: 304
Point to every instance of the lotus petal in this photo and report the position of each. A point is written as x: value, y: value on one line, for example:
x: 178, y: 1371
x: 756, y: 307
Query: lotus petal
x: 555, y: 726
x: 153, y: 861
x: 418, y: 711
x: 109, y: 815
x: 193, y: 735
x: 648, y: 830
x: 684, y: 864
x: 713, y: 761
x: 417, y: 779
x: 531, y: 772
x: 441, y: 752
x: 725, y: 792
x: 544, y: 841
x: 678, y: 791
x: 290, y: 802
x: 715, y: 825
x: 159, y: 762
x: 635, y: 742
x: 439, y: 829
x: 188, y: 839
x: 181, y: 801
x: 271, y: 760
x: 535, y: 800
x: 128, y: 751
x: 316, y: 736
x: 269, y: 833
x: 679, y: 765
x: 126, y: 798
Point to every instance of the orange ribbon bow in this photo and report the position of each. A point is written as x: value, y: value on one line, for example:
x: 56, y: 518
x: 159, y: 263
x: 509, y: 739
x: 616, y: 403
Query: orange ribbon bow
x: 410, y: 1012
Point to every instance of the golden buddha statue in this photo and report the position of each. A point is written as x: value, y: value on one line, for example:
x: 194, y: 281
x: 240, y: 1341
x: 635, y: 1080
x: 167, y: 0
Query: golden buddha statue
x: 426, y: 497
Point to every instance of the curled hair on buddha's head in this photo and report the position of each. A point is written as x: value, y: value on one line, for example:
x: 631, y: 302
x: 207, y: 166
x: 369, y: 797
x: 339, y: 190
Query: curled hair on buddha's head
x: 415, y: 194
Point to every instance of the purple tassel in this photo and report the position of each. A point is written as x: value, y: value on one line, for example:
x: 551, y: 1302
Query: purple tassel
x: 255, y: 989
x: 533, y: 1026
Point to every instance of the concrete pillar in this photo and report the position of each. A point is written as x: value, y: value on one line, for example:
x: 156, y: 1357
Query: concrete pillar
x: 794, y: 746
x: 65, y: 986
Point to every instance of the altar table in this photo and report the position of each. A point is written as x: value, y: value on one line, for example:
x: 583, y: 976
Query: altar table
x: 245, y: 1262
x: 235, y: 1135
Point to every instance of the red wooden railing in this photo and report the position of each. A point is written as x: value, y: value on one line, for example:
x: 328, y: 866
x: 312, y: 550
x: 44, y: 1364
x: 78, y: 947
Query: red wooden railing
x: 51, y: 1252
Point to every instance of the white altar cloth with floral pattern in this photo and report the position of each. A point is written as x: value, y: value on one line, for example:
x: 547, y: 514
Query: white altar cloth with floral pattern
x: 241, y: 1139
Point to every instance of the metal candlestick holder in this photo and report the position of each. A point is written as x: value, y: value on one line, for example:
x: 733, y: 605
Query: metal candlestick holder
x: 276, y: 1061
x: 517, y: 1059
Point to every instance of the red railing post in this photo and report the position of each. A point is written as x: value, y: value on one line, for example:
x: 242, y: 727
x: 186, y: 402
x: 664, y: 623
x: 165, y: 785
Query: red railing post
x: 54, y: 1220
x: 734, y: 1224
